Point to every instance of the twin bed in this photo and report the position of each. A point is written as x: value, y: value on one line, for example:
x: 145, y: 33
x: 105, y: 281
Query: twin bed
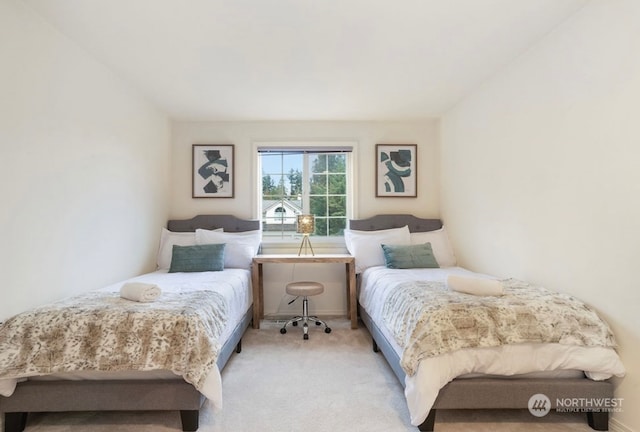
x: 166, y: 354
x: 441, y: 344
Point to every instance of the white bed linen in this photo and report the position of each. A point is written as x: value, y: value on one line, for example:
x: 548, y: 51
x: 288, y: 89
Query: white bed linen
x: 434, y: 373
x: 233, y: 284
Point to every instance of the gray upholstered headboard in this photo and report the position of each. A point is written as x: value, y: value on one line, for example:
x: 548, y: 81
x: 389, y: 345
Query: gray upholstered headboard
x: 229, y: 223
x: 387, y: 221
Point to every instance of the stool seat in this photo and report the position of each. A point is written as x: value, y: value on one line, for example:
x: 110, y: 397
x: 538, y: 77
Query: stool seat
x: 304, y: 288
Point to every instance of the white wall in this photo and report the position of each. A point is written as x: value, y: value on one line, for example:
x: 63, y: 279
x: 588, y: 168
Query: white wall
x: 244, y: 134
x: 85, y: 162
x: 541, y: 178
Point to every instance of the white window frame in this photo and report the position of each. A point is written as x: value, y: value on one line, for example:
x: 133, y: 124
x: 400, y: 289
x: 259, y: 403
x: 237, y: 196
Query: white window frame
x: 318, y: 241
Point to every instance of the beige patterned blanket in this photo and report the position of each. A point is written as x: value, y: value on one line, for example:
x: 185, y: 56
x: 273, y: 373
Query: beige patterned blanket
x: 100, y: 331
x: 427, y: 319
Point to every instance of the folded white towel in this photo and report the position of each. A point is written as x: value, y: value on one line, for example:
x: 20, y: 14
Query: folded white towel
x: 475, y: 285
x: 140, y: 292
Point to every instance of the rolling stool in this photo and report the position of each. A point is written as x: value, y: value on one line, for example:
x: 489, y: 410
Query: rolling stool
x: 304, y: 289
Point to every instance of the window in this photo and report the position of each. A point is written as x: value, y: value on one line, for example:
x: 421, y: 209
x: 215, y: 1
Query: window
x: 304, y: 180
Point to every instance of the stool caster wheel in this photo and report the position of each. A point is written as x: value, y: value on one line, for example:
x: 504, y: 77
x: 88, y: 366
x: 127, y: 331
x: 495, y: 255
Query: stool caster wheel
x: 318, y: 323
x: 305, y: 337
x: 295, y: 323
x: 283, y: 330
x: 327, y: 330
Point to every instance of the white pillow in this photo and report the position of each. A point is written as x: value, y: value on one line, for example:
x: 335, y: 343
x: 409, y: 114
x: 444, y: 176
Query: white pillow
x: 366, y: 246
x: 240, y: 247
x: 440, y: 245
x: 167, y: 240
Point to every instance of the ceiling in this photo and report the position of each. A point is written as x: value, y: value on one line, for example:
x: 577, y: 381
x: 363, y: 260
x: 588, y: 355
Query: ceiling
x: 305, y: 59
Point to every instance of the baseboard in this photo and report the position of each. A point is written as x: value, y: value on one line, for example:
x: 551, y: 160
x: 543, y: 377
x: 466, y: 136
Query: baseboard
x: 281, y: 320
x: 616, y: 426
x: 321, y: 314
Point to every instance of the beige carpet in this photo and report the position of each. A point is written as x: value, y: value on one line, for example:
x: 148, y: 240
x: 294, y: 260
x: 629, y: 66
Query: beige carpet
x: 331, y: 382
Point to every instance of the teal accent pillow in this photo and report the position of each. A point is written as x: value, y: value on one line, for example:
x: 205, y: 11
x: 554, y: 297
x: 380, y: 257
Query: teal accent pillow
x: 197, y: 258
x: 409, y: 256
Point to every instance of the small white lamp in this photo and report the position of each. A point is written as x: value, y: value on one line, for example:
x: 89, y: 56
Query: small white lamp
x: 306, y: 226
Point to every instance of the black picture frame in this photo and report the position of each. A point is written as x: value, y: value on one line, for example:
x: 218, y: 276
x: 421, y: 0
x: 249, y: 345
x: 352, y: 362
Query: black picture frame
x: 213, y: 170
x: 397, y: 170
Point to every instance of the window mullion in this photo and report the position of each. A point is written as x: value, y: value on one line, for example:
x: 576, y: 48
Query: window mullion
x: 306, y: 179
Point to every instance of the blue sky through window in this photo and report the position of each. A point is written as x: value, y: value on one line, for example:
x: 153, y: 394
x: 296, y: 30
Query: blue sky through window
x: 275, y: 164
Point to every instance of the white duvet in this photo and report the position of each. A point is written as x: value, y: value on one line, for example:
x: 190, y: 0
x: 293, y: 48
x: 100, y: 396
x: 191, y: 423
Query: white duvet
x: 233, y: 284
x: 421, y: 389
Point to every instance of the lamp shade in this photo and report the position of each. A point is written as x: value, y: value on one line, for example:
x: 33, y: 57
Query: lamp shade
x: 306, y: 224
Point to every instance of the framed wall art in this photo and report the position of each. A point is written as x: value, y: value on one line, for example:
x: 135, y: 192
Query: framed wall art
x: 213, y: 171
x: 396, y: 170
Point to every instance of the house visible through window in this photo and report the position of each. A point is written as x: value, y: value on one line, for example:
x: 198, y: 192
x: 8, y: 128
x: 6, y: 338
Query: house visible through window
x: 304, y: 181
